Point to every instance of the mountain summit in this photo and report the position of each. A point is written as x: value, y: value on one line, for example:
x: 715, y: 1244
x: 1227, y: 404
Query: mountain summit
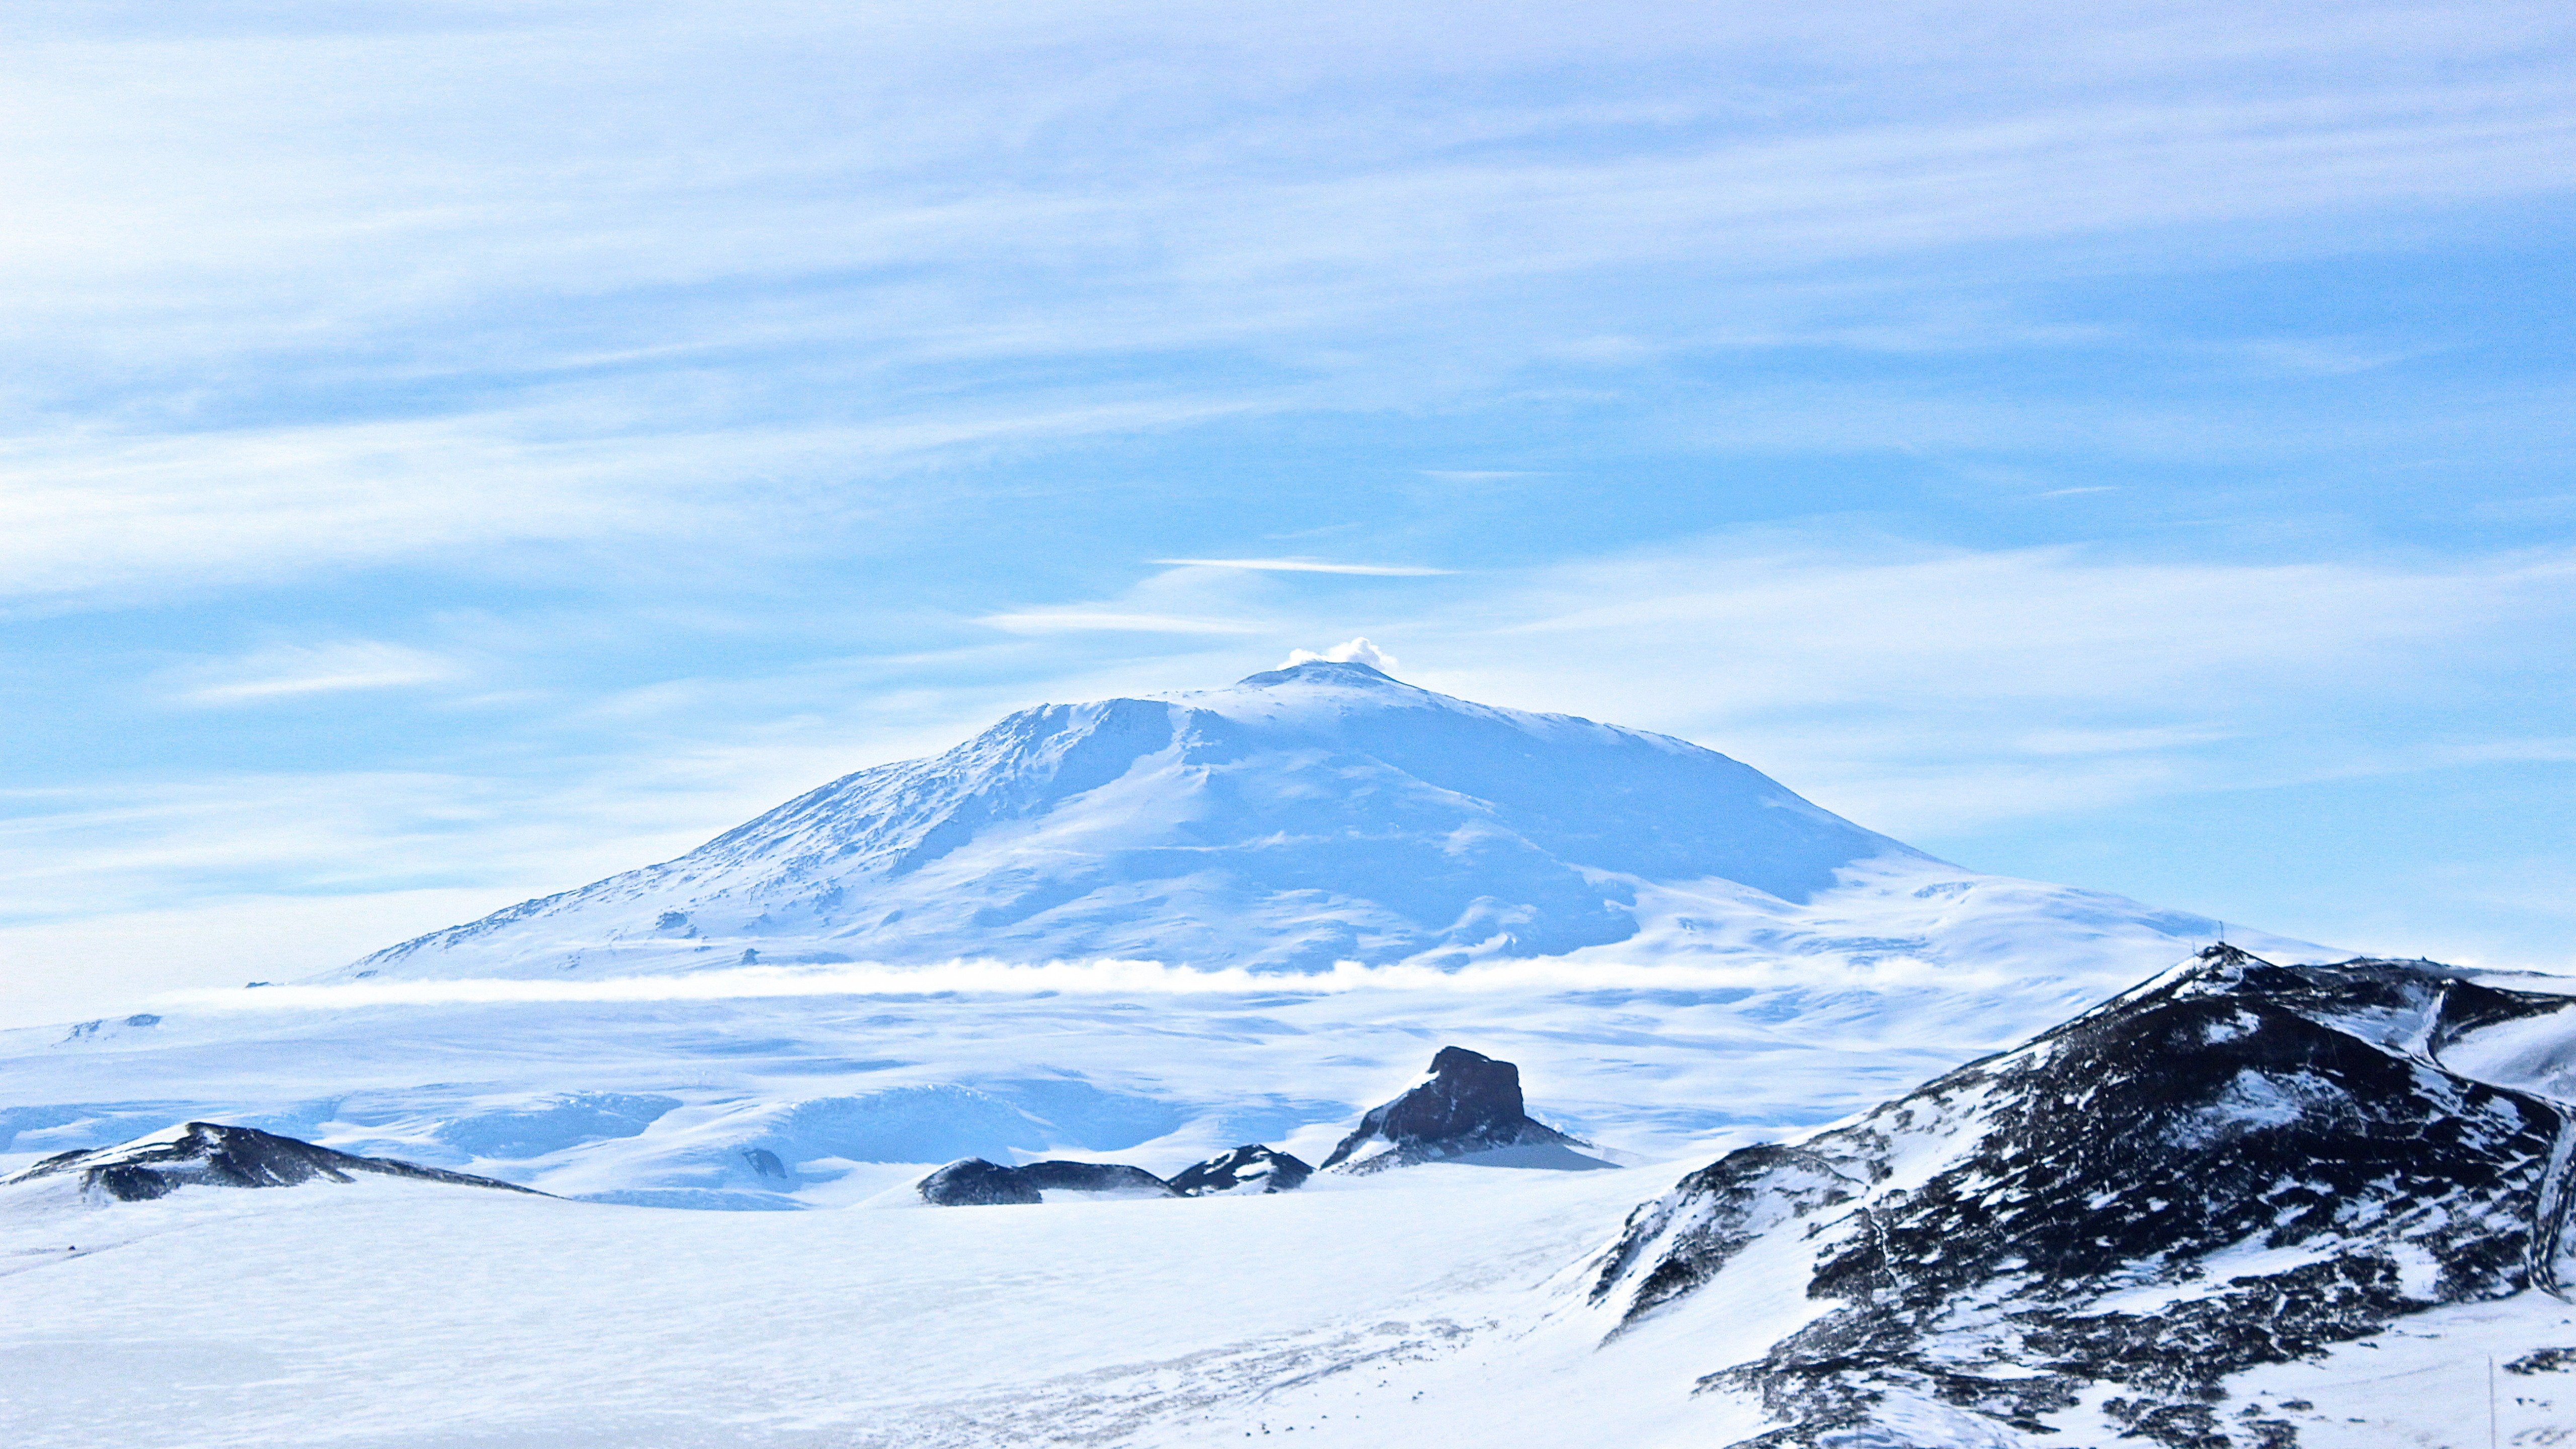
x: 1319, y: 813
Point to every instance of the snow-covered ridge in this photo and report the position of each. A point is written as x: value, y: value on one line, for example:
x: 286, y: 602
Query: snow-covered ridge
x: 1308, y: 816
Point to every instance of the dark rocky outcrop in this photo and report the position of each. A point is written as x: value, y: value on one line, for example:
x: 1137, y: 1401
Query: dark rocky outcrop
x: 218, y: 1155
x: 1250, y: 1168
x: 2234, y: 1165
x: 1471, y: 1106
x: 977, y: 1183
x: 1094, y: 1177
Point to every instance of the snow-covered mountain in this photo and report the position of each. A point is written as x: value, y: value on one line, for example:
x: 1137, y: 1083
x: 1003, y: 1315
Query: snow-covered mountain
x: 1307, y: 816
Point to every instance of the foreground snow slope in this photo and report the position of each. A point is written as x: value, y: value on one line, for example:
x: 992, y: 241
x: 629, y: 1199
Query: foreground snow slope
x: 393, y: 1315
x: 1307, y: 816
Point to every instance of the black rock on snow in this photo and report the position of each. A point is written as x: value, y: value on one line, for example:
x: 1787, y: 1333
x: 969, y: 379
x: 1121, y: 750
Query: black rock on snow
x: 1471, y: 1105
x: 1250, y: 1168
x: 977, y: 1183
x: 2233, y: 1165
x: 224, y: 1156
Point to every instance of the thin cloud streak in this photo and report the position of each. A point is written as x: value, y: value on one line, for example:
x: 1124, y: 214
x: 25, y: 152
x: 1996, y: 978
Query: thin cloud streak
x: 1304, y: 566
x: 319, y: 669
x: 1301, y: 209
x: 1066, y: 621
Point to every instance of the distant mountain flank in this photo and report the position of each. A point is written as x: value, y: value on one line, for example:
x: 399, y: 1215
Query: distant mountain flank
x: 1302, y: 817
x: 218, y: 1154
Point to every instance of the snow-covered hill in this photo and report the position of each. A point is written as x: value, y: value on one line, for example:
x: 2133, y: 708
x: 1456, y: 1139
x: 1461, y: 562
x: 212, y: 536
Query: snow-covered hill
x: 1312, y: 815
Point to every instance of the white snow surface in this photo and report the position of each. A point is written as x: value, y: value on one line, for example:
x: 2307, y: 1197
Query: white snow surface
x: 1438, y: 1304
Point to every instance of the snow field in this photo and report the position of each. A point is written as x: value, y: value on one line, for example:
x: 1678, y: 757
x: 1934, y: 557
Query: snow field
x: 406, y: 1314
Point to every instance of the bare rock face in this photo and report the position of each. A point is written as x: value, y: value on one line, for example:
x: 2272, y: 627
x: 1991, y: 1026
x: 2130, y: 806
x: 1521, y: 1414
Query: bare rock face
x: 1116, y: 1177
x: 1471, y: 1106
x: 215, y: 1154
x: 2237, y: 1164
x: 977, y: 1183
x: 1253, y: 1168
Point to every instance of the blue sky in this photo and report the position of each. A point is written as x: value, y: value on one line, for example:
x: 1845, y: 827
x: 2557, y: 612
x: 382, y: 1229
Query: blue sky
x: 456, y: 451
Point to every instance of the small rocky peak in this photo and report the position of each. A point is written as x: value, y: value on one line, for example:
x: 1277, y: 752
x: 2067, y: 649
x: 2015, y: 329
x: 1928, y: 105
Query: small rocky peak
x: 1252, y: 1168
x: 1471, y: 1104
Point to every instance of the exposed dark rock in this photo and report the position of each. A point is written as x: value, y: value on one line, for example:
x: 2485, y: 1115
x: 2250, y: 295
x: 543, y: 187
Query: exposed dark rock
x: 2086, y: 1209
x: 977, y: 1183
x: 1094, y: 1177
x: 2547, y: 1360
x: 1250, y: 1168
x: 225, y: 1156
x: 1472, y: 1104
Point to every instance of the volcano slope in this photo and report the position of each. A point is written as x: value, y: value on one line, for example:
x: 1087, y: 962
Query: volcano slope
x: 2232, y: 1168
x: 1300, y: 818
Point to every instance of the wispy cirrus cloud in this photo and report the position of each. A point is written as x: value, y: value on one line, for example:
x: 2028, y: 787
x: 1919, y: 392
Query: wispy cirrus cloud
x: 291, y: 670
x: 822, y: 354
x: 1305, y: 566
x: 762, y: 263
x: 1074, y: 621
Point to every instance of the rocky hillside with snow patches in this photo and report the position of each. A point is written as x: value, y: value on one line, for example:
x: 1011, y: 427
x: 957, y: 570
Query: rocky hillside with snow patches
x: 2235, y: 1167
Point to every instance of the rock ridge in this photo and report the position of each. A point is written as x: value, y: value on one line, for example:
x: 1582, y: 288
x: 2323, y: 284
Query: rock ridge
x: 220, y: 1155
